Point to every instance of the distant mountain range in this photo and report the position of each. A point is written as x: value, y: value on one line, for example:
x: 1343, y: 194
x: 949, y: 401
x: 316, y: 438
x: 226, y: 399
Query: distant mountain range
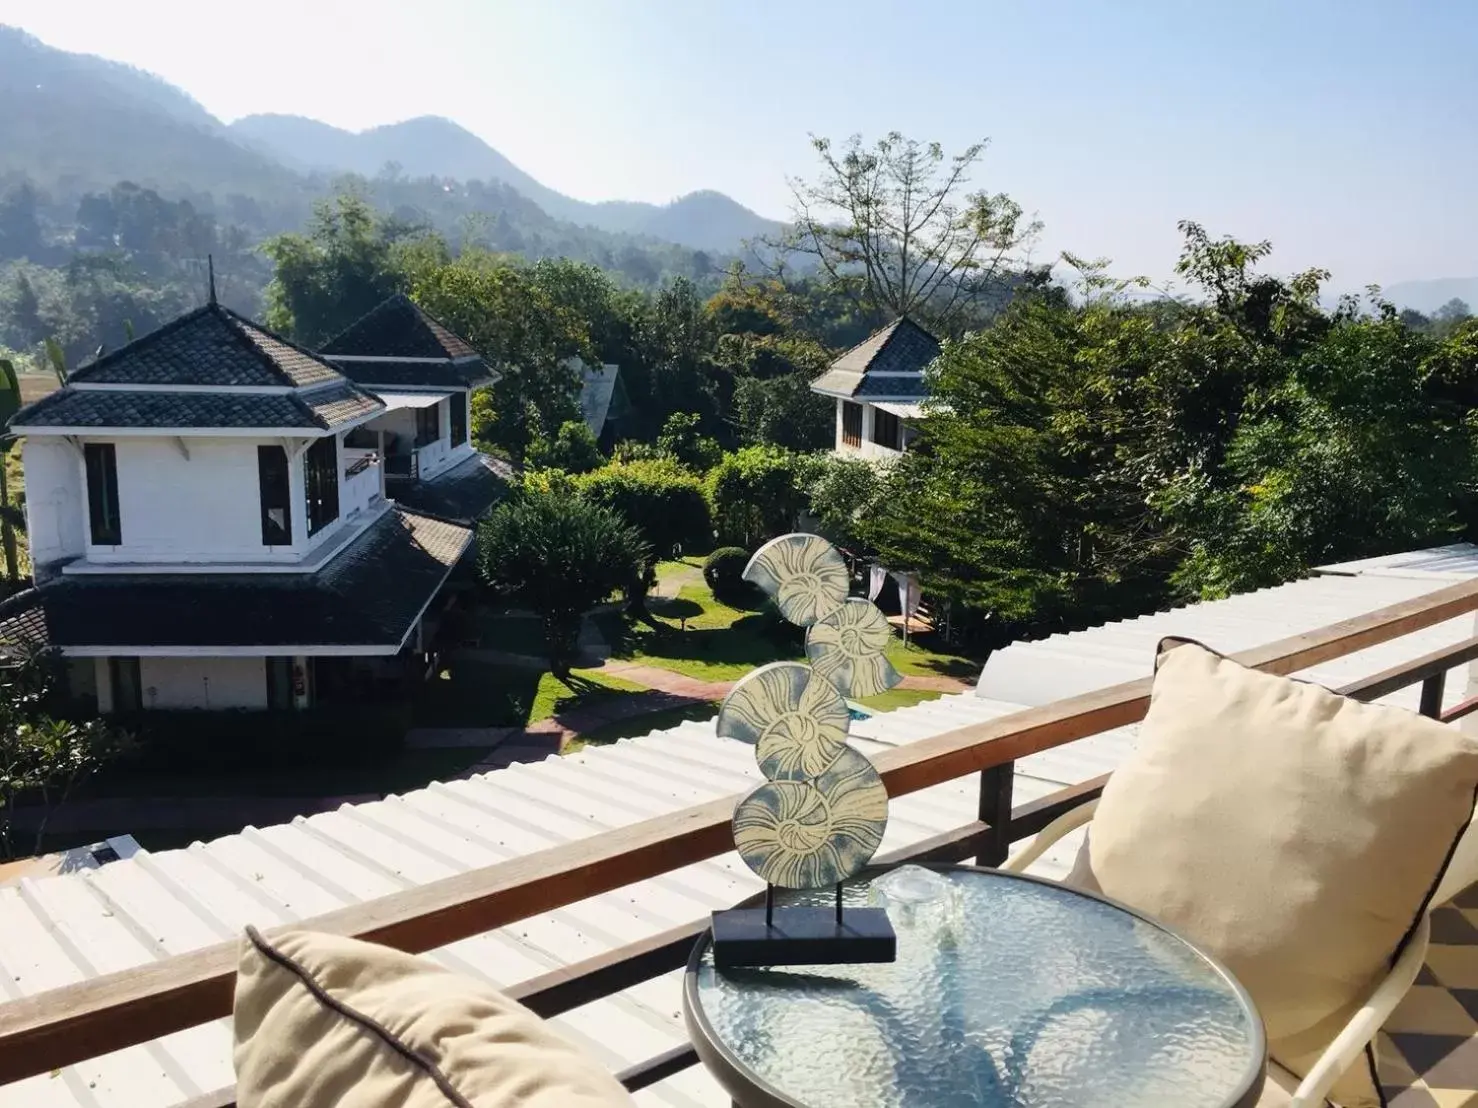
x: 1428, y: 296
x: 74, y: 123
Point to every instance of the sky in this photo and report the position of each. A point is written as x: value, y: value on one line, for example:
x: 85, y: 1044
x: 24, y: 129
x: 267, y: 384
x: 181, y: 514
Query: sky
x: 1341, y: 130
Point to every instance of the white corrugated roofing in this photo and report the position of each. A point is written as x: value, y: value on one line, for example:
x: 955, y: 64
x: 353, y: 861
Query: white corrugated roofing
x: 1075, y: 662
x: 61, y: 929
x: 58, y: 930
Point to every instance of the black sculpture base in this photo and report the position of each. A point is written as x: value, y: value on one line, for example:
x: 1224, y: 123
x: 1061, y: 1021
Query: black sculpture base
x: 802, y: 937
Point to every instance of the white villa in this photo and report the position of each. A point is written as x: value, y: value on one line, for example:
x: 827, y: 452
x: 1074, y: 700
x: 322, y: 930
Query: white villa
x: 219, y: 518
x: 879, y: 389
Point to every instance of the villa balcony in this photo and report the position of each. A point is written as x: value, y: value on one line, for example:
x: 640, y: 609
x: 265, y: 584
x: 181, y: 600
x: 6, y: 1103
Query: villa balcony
x: 577, y: 884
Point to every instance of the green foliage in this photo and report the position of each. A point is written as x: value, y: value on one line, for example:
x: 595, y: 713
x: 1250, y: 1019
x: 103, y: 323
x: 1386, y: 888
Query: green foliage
x: 43, y: 756
x: 559, y: 557
x: 723, y: 571
x: 682, y: 441
x: 754, y: 494
x: 661, y: 500
x: 841, y: 493
x: 632, y: 450
x: 572, y: 449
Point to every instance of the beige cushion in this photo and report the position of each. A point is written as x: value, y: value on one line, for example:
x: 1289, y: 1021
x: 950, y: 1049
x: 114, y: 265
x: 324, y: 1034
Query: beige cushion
x: 327, y: 1022
x: 1293, y: 833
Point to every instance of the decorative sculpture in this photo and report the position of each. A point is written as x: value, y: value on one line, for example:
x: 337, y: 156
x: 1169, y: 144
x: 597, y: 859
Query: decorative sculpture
x: 820, y: 815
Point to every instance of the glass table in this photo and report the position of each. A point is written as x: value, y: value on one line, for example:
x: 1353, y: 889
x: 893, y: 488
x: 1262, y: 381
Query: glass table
x: 1008, y: 992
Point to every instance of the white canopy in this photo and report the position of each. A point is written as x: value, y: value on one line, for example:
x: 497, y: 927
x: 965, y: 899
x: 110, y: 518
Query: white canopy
x: 902, y: 411
x: 395, y: 400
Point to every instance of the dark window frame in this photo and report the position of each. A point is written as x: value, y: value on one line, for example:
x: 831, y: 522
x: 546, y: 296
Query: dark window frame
x: 457, y: 411
x: 275, y: 489
x: 851, y: 423
x: 893, y: 439
x: 105, y: 522
x: 321, y: 482
x: 428, y: 424
x: 279, y: 677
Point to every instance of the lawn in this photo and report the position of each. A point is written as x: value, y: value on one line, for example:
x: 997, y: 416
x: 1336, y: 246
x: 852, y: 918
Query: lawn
x: 486, y: 694
x: 898, y: 698
x: 643, y: 725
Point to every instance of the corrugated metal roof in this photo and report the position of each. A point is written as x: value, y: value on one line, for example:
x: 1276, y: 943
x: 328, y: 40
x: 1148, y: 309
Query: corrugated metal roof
x: 1075, y: 662
x: 58, y: 930
x: 1459, y: 561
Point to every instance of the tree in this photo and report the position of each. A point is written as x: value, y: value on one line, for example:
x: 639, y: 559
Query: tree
x: 841, y: 492
x: 560, y: 556
x: 755, y: 495
x: 573, y: 449
x: 42, y: 757
x: 682, y: 441
x: 10, y: 403
x: 784, y: 412
x: 20, y: 231
x: 338, y: 271
x: 895, y: 227
x: 661, y: 500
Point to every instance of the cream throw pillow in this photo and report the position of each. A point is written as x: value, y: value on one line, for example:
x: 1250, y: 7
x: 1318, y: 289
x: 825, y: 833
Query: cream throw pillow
x: 328, y: 1022
x: 1293, y: 833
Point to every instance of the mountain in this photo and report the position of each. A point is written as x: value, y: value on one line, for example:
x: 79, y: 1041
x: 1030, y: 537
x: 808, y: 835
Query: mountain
x: 81, y: 123
x: 1428, y: 296
x: 431, y: 146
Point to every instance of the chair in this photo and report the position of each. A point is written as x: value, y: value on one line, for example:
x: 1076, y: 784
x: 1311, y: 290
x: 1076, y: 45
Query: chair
x: 1462, y: 871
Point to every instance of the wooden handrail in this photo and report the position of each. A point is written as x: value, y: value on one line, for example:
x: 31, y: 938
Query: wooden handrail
x: 71, y: 1024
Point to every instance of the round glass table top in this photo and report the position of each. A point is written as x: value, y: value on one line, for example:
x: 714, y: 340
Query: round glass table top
x: 1008, y: 992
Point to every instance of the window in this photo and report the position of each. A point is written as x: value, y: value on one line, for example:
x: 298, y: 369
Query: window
x: 102, y: 493
x: 458, y: 410
x: 279, y: 683
x: 277, y: 526
x: 428, y: 424
x: 321, y: 479
x: 886, y: 429
x: 851, y: 423
x: 128, y: 688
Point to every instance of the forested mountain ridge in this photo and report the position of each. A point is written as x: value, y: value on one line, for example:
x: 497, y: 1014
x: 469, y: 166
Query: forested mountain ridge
x: 431, y: 146
x: 73, y: 124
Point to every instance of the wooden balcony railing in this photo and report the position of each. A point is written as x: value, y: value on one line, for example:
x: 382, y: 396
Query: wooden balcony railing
x: 71, y: 1024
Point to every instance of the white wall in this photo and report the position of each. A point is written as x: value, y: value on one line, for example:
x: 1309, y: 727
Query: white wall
x: 204, y: 682
x: 56, y: 503
x: 868, y: 449
x: 206, y: 507
x: 438, y: 456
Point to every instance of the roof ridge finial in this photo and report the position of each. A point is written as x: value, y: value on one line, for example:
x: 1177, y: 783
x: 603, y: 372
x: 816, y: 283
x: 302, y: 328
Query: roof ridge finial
x: 210, y: 265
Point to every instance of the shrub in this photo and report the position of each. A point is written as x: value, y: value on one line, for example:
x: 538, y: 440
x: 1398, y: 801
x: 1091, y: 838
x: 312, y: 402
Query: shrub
x: 634, y: 450
x: 681, y: 440
x: 660, y: 499
x: 755, y: 494
x: 215, y: 740
x: 724, y: 570
x: 573, y: 449
x: 560, y: 556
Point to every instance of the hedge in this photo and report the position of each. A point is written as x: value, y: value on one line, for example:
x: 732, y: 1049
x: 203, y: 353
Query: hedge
x: 659, y: 498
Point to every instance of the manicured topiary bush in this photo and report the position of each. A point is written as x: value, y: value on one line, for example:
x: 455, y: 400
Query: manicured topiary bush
x: 724, y: 572
x: 659, y: 498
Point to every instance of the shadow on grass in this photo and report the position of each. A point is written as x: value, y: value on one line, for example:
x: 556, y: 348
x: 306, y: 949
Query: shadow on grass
x: 478, y: 694
x: 751, y: 640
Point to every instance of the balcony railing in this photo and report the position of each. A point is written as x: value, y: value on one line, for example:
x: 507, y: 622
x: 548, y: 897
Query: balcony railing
x: 74, y: 1023
x: 405, y: 466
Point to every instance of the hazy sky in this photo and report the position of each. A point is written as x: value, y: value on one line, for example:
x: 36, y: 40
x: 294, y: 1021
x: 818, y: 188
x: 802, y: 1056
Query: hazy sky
x: 1342, y: 130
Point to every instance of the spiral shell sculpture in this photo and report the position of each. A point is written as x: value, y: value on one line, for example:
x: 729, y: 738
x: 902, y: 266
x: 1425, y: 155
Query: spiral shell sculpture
x: 821, y: 813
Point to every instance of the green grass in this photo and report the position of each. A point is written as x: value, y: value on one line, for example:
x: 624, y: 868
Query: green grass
x: 923, y: 657
x: 485, y: 694
x: 642, y: 725
x: 699, y: 636
x: 898, y: 698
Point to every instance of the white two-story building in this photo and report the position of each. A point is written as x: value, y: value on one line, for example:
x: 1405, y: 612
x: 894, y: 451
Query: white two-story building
x: 211, y: 524
x: 879, y: 389
x: 425, y: 375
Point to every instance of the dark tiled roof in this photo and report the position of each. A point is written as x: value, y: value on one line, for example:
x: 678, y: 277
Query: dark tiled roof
x: 442, y: 375
x: 339, y: 405
x: 209, y: 346
x: 465, y: 492
x: 901, y: 347
x: 399, y: 328
x: 368, y: 595
x: 322, y: 409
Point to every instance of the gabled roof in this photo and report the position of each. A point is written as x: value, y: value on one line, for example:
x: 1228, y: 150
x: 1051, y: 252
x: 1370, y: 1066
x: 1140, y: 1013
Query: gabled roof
x: 211, y: 346
x: 889, y: 364
x: 399, y: 328
x: 368, y: 596
x: 318, y: 409
x: 390, y: 373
